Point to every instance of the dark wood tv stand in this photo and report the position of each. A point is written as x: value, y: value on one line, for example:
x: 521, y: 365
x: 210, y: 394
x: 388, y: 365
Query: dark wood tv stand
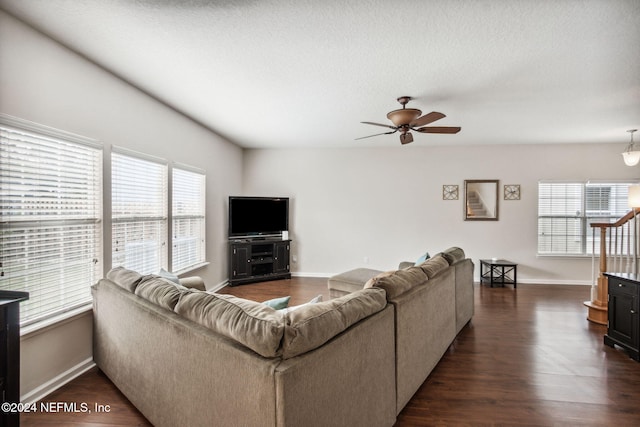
x: 258, y: 260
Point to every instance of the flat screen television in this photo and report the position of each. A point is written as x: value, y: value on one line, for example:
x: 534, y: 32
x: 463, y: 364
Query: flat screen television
x: 258, y: 216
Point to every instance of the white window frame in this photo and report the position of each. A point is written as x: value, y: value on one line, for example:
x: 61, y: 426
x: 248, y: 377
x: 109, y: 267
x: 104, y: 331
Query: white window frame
x: 139, y: 211
x: 188, y: 218
x: 564, y: 218
x: 51, y: 218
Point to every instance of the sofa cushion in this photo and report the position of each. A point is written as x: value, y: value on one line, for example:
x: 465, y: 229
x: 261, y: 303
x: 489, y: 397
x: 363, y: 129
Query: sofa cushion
x: 453, y: 255
x: 434, y: 265
x: 252, y: 324
x: 372, y: 282
x: 400, y: 281
x: 311, y: 326
x: 193, y: 282
x: 160, y: 291
x: 127, y: 279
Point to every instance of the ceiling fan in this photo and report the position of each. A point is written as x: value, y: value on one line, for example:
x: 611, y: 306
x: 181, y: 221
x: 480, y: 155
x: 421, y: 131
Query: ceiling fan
x: 408, y: 119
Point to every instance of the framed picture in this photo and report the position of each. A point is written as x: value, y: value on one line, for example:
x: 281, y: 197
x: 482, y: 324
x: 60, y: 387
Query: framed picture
x: 512, y: 192
x: 481, y: 200
x: 449, y: 192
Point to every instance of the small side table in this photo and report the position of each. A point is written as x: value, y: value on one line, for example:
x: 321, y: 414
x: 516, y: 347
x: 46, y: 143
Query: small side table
x: 498, y: 271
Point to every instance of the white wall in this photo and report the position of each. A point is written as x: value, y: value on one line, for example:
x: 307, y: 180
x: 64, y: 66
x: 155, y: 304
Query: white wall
x: 44, y: 82
x: 385, y: 204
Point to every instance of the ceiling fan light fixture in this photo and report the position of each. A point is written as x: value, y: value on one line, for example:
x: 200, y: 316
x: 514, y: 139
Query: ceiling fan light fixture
x: 403, y: 116
x: 631, y: 156
x: 408, y: 119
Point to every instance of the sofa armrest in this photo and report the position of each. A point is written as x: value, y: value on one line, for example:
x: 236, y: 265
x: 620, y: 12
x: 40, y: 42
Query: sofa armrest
x: 194, y: 282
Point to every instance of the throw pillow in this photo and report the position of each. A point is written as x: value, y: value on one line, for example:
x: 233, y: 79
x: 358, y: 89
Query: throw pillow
x: 314, y: 300
x: 278, y: 303
x: 423, y: 258
x: 168, y: 275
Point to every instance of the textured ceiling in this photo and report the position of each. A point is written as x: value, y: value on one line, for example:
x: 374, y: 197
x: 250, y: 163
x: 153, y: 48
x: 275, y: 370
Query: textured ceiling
x: 288, y: 73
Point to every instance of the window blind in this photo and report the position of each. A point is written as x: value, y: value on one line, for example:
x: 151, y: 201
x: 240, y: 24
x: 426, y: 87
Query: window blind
x: 565, y: 210
x: 139, y: 212
x: 50, y: 217
x: 188, y: 212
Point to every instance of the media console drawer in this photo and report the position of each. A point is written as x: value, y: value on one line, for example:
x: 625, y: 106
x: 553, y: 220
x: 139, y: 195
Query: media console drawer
x: 617, y: 285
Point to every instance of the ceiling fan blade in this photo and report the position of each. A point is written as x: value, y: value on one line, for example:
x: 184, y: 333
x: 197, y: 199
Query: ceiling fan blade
x: 379, y: 124
x: 383, y: 133
x: 406, y: 138
x: 439, y: 129
x: 427, y: 118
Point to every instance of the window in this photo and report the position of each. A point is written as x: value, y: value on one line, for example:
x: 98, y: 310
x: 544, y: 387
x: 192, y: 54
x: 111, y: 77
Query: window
x: 139, y: 212
x: 51, y: 213
x: 188, y: 212
x: 565, y: 210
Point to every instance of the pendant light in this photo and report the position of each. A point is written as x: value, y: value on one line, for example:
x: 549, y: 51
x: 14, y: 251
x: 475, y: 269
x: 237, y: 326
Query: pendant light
x: 631, y: 156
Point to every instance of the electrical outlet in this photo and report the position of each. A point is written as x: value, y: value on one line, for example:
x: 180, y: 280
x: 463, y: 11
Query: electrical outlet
x: 294, y: 259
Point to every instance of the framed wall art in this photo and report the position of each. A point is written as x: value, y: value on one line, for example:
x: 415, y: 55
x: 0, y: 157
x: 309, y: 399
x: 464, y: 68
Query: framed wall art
x: 481, y: 200
x: 512, y: 192
x: 449, y: 192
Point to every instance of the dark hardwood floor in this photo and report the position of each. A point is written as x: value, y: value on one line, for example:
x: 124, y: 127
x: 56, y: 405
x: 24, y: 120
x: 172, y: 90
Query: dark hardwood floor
x: 529, y: 357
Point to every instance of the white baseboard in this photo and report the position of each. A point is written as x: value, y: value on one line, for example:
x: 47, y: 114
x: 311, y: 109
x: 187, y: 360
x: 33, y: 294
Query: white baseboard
x: 581, y: 282
x: 55, y: 383
x: 219, y: 286
x: 554, y: 282
x: 298, y: 274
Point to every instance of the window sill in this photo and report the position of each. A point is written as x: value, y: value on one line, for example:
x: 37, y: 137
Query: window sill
x: 191, y: 268
x: 565, y: 256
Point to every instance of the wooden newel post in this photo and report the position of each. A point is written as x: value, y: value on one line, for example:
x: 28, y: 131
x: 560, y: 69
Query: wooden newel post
x: 603, y: 251
x: 598, y: 305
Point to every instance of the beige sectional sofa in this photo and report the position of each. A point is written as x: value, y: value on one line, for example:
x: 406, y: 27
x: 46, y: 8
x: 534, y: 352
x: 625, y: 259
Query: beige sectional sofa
x: 433, y: 301
x: 189, y: 357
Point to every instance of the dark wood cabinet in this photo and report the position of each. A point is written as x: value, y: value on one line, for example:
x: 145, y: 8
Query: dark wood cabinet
x: 258, y: 260
x: 281, y: 259
x: 240, y: 261
x: 10, y: 353
x: 624, y: 323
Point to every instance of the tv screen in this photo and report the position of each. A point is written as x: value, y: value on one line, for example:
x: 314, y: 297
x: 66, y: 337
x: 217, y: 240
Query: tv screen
x: 256, y: 216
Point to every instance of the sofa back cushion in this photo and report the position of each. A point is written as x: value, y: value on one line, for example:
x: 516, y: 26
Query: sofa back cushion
x: 160, y: 291
x: 398, y: 282
x: 312, y: 325
x: 453, y: 255
x: 252, y: 324
x: 126, y: 279
x: 433, y: 266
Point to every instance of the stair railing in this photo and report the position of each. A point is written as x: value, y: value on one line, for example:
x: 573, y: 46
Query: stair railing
x: 618, y: 253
